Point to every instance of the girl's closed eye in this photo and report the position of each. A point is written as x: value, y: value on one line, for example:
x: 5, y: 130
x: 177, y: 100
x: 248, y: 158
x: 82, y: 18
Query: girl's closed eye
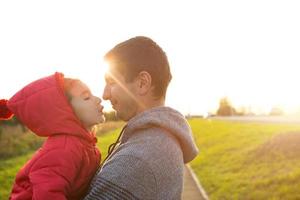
x: 86, y: 96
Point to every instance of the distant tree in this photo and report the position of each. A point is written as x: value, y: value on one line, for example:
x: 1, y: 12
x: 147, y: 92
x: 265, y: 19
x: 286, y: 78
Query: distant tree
x: 225, y: 108
x: 276, y: 111
x: 242, y: 111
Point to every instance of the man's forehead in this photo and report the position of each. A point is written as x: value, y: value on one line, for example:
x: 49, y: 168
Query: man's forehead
x: 112, y: 74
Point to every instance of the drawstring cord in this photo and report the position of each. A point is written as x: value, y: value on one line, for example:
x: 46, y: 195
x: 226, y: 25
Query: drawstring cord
x: 110, y: 151
x: 112, y: 146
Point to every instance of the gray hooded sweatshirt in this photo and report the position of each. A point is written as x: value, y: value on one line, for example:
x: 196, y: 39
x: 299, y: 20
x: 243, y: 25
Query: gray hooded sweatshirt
x: 149, y: 162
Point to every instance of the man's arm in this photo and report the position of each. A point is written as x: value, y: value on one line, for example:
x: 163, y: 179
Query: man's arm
x: 124, y: 177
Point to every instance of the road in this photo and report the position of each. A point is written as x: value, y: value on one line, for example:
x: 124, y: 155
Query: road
x: 192, y: 189
x: 263, y: 119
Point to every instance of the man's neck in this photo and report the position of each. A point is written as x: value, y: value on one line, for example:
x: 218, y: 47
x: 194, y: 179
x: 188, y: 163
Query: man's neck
x: 151, y: 104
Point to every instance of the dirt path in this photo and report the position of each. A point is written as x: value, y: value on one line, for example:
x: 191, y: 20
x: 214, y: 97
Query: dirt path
x: 263, y: 119
x: 192, y: 190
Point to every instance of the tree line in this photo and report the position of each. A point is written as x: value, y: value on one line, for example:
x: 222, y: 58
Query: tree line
x: 227, y: 109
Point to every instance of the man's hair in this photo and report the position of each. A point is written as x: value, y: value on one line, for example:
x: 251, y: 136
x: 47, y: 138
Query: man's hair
x: 141, y: 54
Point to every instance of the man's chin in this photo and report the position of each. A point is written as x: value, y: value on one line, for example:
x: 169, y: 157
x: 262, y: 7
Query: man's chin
x: 121, y: 116
x: 125, y: 116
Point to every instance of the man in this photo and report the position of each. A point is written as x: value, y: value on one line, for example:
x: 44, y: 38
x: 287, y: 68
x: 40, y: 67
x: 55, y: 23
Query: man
x: 148, y: 162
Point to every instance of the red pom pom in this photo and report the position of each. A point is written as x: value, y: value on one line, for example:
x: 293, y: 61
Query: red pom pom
x: 5, y: 113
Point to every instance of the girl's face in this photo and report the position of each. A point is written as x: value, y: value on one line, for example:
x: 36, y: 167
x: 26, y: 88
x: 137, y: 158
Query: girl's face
x: 86, y: 106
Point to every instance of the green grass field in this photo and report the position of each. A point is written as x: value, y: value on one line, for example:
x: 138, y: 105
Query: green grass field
x: 236, y: 160
x: 246, y: 160
x: 8, y: 171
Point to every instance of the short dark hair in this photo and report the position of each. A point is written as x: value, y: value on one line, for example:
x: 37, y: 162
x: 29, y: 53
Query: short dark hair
x: 142, y: 54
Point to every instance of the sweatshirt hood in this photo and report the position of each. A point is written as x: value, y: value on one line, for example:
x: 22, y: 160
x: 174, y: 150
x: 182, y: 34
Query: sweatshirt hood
x: 43, y: 107
x: 170, y: 120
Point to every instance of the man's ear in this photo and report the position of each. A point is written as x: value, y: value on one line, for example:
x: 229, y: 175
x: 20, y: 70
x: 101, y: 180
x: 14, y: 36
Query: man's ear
x: 144, y: 82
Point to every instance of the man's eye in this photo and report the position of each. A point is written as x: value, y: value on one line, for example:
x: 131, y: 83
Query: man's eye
x: 86, y: 98
x: 110, y: 81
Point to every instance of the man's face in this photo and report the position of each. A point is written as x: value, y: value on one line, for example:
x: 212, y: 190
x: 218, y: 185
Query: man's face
x: 121, y: 94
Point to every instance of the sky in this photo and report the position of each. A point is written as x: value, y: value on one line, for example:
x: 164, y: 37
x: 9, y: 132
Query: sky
x: 245, y: 50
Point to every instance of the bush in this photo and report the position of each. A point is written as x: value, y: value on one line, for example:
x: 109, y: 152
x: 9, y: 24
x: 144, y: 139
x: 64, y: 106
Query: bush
x: 14, y: 142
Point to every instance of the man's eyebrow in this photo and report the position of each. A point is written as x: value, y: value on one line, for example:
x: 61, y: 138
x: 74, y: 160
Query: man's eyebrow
x: 105, y: 76
x: 108, y: 77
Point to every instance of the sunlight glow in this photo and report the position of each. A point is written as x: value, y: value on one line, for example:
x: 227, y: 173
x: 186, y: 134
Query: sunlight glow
x: 245, y: 50
x: 120, y: 83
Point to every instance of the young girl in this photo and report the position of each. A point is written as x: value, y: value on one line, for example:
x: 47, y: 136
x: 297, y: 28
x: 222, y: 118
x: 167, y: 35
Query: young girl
x: 64, y: 110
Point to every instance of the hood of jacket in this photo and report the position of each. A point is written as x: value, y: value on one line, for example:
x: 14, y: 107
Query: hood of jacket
x: 43, y: 107
x: 168, y: 119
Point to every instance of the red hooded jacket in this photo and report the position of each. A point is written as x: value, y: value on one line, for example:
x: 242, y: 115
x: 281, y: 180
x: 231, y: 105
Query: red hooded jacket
x: 64, y: 166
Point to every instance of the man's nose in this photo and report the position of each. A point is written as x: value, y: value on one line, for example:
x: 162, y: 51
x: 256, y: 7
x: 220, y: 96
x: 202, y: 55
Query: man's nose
x: 106, y: 93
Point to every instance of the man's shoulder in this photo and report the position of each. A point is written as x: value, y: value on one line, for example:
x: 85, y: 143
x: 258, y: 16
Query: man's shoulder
x: 149, y: 138
x: 149, y: 145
